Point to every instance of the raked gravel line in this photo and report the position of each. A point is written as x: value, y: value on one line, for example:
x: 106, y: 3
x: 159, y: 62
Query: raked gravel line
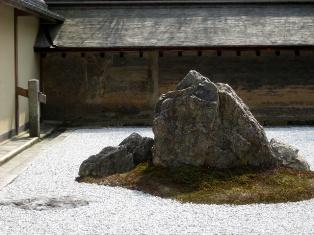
x: 114, y: 210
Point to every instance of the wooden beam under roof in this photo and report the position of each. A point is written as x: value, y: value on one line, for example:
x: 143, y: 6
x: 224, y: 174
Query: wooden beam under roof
x: 141, y: 49
x: 168, y: 2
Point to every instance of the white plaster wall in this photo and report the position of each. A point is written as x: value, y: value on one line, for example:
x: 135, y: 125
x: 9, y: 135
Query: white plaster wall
x: 28, y: 61
x: 7, y: 88
x: 28, y: 65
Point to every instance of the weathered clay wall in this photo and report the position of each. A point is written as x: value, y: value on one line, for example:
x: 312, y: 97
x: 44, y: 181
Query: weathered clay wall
x: 121, y: 88
x: 114, y: 87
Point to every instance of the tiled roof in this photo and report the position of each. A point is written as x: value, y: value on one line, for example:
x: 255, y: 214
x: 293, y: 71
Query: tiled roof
x: 179, y: 26
x: 36, y: 7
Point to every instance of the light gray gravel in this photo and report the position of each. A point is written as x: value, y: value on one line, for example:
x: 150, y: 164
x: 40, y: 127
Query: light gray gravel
x: 121, y: 211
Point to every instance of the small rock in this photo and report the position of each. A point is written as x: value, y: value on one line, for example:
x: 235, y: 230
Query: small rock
x: 140, y: 147
x: 111, y: 160
x: 288, y: 156
x: 117, y: 160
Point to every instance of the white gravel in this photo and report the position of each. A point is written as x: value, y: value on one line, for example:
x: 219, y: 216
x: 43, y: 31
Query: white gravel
x: 121, y: 211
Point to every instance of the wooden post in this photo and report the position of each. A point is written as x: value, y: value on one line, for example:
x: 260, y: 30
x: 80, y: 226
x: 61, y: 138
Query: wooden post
x: 34, y: 108
x: 16, y: 80
x: 154, y: 67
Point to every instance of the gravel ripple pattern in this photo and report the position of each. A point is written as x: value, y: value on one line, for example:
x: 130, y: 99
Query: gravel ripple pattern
x: 114, y: 210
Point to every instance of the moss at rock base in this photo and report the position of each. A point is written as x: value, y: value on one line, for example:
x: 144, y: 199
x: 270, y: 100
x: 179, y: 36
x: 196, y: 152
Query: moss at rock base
x: 202, y: 185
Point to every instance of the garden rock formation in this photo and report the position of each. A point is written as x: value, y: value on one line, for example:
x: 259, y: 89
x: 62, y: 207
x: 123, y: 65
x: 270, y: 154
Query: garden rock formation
x: 111, y: 160
x: 202, y: 123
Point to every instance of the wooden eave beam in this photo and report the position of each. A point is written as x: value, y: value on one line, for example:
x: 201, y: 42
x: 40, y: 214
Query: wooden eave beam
x: 71, y: 3
x: 22, y: 13
x: 186, y: 48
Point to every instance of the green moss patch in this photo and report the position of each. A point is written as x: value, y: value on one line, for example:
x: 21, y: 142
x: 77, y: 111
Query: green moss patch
x: 203, y: 185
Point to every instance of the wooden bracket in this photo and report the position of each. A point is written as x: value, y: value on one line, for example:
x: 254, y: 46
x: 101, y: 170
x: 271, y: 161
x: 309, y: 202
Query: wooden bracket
x: 22, y: 92
x: 42, y: 98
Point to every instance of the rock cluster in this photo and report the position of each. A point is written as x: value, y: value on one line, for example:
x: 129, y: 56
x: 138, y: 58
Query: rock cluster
x: 130, y: 152
x: 200, y: 123
x: 209, y: 125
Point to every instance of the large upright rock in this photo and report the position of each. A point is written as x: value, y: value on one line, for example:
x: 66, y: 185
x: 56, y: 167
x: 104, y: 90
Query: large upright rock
x: 206, y: 124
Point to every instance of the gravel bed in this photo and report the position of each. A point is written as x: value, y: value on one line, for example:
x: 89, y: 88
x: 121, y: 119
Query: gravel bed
x: 45, y: 199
